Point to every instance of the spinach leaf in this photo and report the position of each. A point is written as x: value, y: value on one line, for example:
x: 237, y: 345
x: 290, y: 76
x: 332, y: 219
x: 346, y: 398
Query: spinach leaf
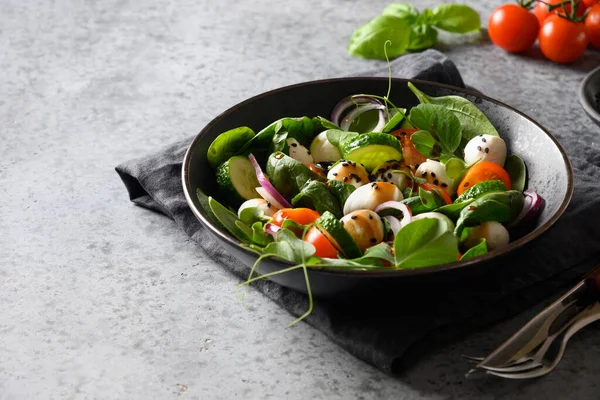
x: 422, y: 36
x: 472, y: 120
x: 480, y: 189
x: 416, y: 205
x: 321, y: 124
x: 516, y: 171
x: 456, y: 18
x: 229, y: 220
x: 287, y: 175
x: 259, y: 236
x: 227, y: 144
x: 250, y: 215
x: 425, y: 144
x: 373, y: 258
x: 289, y: 247
x: 453, y: 210
x: 204, y: 202
x: 316, y: 196
x: 402, y: 10
x: 419, y: 244
x: 496, y: 206
x: 340, y: 190
x: 430, y: 200
x: 440, y: 122
x: 476, y: 251
x: 369, y: 40
x: 456, y: 168
x: 337, y: 136
x: 397, y: 117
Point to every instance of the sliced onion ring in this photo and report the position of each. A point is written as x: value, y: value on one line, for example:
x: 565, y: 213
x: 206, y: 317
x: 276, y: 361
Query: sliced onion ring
x: 272, y: 229
x: 340, y: 109
x: 395, y: 209
x: 534, y: 204
x: 268, y: 191
x: 395, y: 224
x: 354, y: 113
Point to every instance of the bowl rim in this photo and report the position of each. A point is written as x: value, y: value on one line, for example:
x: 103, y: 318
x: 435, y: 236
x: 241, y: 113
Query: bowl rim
x: 200, y: 214
x: 583, y: 100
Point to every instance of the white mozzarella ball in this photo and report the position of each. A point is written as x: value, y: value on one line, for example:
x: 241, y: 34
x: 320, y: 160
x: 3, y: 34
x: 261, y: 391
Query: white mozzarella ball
x: 385, y: 173
x: 322, y: 150
x: 435, y: 172
x: 299, y: 152
x: 493, y: 232
x: 365, y: 227
x: 486, y: 148
x: 369, y: 196
x: 349, y: 172
x: 264, y: 205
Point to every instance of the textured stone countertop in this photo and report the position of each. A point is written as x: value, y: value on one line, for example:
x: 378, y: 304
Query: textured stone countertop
x: 103, y: 299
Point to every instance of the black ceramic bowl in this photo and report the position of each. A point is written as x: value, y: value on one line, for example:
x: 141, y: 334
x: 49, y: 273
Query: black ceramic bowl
x: 589, y: 95
x: 549, y: 171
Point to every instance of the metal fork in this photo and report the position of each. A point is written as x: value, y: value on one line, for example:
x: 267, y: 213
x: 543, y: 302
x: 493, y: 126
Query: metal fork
x: 539, y: 365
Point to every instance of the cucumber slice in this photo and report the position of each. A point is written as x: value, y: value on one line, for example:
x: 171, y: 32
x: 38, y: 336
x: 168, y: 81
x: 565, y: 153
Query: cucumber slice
x: 236, y: 178
x: 372, y: 149
x: 334, y: 231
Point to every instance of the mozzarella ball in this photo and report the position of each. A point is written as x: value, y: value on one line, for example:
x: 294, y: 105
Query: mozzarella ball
x: 435, y: 172
x: 447, y: 224
x: 368, y: 197
x: 299, y: 152
x: 322, y: 150
x: 349, y: 172
x: 486, y: 148
x: 267, y: 208
x: 384, y: 173
x: 493, y: 232
x: 365, y: 227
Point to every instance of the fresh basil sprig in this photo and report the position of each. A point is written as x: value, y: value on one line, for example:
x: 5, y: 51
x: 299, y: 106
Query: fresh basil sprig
x: 408, y: 29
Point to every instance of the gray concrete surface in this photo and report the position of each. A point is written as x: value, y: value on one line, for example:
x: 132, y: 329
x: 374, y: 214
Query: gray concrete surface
x: 102, y: 299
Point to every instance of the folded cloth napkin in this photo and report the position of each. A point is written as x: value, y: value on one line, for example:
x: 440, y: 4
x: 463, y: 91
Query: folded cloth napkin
x: 394, y: 329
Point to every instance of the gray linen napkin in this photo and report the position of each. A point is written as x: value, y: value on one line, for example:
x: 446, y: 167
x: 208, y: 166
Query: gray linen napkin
x: 393, y: 329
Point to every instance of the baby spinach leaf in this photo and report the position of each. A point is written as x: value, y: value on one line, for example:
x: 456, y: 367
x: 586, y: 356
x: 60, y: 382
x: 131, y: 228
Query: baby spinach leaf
x: 415, y: 204
x: 399, y: 116
x: 229, y: 220
x: 455, y: 168
x: 422, y: 36
x: 402, y: 10
x: 440, y: 122
x: 419, y: 244
x: 259, y: 236
x: 227, y: 144
x: 289, y: 247
x: 456, y: 18
x: 425, y: 144
x: 204, y: 202
x: 480, y: 189
x: 430, y: 200
x: 516, y: 171
x: 338, y: 136
x: 250, y: 215
x: 453, y: 210
x: 472, y: 120
x: 287, y: 175
x: 369, y: 40
x: 476, y: 251
x: 340, y: 190
x: 320, y: 124
x: 315, y: 195
x: 496, y: 206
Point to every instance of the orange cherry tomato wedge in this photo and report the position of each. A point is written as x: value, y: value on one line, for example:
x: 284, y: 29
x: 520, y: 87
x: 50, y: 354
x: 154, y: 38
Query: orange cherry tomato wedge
x: 324, y: 248
x: 438, y: 190
x: 303, y: 216
x: 481, y: 172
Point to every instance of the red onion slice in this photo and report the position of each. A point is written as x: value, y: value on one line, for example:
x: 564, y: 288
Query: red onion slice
x: 392, y: 209
x: 354, y: 113
x: 269, y: 193
x: 272, y: 230
x: 533, y: 206
x: 340, y: 109
x: 395, y: 224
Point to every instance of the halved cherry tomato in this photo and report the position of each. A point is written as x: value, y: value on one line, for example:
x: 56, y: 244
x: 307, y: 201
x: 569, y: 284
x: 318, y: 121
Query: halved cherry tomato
x: 592, y: 25
x: 324, y: 248
x: 540, y: 10
x: 562, y: 40
x: 410, y: 154
x: 441, y: 192
x: 513, y: 28
x: 316, y: 170
x: 303, y: 216
x: 481, y: 172
x: 589, y: 3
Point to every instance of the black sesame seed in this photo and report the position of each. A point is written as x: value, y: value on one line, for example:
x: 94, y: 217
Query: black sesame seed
x: 480, y: 135
x: 435, y: 181
x: 433, y: 174
x: 370, y: 216
x: 345, y: 179
x: 389, y: 175
x: 373, y: 240
x: 358, y: 179
x: 373, y: 184
x: 268, y: 205
x: 344, y: 164
x: 335, y: 174
x: 384, y: 179
x: 294, y: 144
x: 444, y: 185
x: 478, y: 148
x: 424, y: 174
x: 353, y: 164
x: 484, y: 140
x: 308, y: 152
x: 417, y: 166
x: 487, y: 150
x: 354, y: 217
x: 382, y: 170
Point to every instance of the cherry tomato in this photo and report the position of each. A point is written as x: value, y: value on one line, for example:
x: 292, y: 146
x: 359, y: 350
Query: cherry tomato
x: 438, y: 190
x: 481, y: 172
x: 540, y: 10
x: 561, y: 40
x: 316, y: 170
x: 589, y: 3
x: 410, y: 154
x: 592, y: 25
x: 513, y: 28
x: 303, y: 216
x: 323, y: 246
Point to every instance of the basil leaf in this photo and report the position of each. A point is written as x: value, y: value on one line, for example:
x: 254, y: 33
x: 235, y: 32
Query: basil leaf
x: 476, y: 251
x: 289, y: 247
x: 419, y: 244
x: 456, y: 18
x: 229, y: 220
x: 227, y: 144
x: 337, y: 136
x: 496, y: 206
x: 369, y: 40
x: 472, y: 120
x: 440, y: 122
x: 422, y: 37
x: 340, y: 190
x: 315, y: 195
x: 398, y: 117
x: 287, y: 175
x: 250, y: 215
x: 402, y: 10
x: 425, y: 144
x: 516, y: 171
